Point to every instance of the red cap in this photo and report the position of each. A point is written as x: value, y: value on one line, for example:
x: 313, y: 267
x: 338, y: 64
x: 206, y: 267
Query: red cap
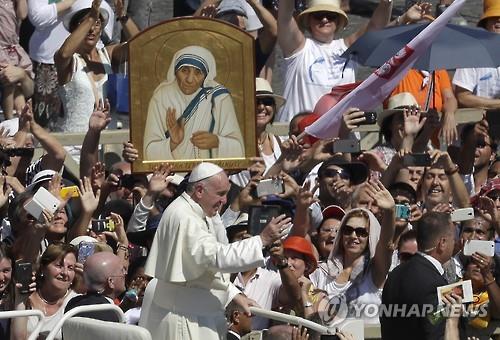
x: 303, y: 246
x: 333, y: 211
x: 489, y: 186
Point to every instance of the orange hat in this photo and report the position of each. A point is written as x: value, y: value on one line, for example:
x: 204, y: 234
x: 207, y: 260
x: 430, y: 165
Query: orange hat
x: 491, y: 9
x: 303, y: 246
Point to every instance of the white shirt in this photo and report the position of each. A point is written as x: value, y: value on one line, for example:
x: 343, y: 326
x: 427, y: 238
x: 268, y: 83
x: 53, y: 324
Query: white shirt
x: 483, y: 82
x: 49, y: 31
x: 263, y: 287
x: 312, y: 72
x: 434, y: 262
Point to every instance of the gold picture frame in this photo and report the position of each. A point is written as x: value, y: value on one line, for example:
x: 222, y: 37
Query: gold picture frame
x: 200, y: 71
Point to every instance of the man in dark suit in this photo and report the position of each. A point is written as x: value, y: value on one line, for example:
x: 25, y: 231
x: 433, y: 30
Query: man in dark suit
x: 409, y: 293
x: 239, y: 323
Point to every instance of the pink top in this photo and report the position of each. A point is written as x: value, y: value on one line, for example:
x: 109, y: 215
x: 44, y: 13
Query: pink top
x: 9, y: 27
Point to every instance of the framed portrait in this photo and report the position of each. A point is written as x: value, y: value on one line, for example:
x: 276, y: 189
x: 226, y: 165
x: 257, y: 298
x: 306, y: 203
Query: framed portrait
x: 192, y: 95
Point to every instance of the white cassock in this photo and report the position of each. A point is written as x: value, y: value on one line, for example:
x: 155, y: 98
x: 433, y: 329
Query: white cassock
x: 188, y: 256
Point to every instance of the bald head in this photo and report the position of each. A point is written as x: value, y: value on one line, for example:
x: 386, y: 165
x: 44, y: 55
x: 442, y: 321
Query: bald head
x: 99, y: 267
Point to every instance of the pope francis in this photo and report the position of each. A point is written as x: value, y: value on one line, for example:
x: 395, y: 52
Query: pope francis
x: 189, y: 255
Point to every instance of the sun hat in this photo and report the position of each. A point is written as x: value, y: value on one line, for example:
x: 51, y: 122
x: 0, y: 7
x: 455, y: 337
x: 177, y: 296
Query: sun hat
x: 357, y: 170
x: 264, y: 89
x: 323, y: 6
x: 232, y: 6
x: 397, y: 104
x: 491, y: 9
x: 333, y: 211
x: 204, y: 170
x: 303, y: 246
x: 84, y: 5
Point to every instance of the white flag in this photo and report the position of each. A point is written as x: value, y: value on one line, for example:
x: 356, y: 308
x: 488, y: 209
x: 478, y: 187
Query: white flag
x: 380, y: 83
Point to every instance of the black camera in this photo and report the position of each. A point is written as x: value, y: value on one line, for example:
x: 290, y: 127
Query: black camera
x: 126, y: 181
x: 19, y: 152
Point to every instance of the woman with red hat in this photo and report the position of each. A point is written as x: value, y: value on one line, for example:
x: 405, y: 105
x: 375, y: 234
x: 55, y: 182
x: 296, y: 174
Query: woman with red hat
x: 297, y: 254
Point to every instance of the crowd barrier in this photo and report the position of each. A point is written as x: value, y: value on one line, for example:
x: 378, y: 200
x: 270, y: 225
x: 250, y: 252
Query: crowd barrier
x: 24, y: 313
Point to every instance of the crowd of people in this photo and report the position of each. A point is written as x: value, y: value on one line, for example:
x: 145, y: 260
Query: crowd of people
x: 338, y: 235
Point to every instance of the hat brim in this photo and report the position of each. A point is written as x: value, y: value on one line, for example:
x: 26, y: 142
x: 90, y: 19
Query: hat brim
x: 386, y: 114
x: 279, y: 100
x: 68, y: 17
x: 489, y: 13
x: 301, y: 18
x: 309, y: 257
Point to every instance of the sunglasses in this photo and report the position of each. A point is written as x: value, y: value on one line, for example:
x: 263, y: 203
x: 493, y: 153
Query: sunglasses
x: 343, y: 174
x: 360, y: 231
x: 323, y: 14
x: 266, y: 101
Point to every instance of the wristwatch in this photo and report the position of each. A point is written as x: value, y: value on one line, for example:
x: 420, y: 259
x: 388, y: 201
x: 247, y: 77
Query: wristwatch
x: 282, y: 264
x: 123, y: 19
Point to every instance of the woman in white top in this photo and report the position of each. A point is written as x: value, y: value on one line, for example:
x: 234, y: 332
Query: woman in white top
x: 314, y: 65
x: 360, y: 259
x: 54, y: 279
x: 267, y: 104
x: 82, y: 68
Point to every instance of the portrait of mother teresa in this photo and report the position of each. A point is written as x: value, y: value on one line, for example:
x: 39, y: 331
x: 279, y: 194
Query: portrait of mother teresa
x: 190, y: 115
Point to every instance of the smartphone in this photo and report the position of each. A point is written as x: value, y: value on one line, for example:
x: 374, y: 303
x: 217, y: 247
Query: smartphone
x: 417, y: 159
x: 271, y: 186
x: 460, y: 215
x: 85, y: 249
x: 69, y: 192
x: 485, y: 247
x: 370, y: 118
x: 403, y: 212
x: 42, y: 200
x: 260, y: 215
x: 23, y: 272
x: 346, y: 146
x: 102, y: 225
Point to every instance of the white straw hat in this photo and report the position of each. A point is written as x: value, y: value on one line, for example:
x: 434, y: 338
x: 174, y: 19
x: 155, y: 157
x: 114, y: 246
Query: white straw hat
x: 323, y: 6
x: 397, y: 104
x: 264, y: 89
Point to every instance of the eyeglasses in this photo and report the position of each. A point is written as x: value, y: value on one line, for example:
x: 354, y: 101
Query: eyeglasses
x: 342, y: 173
x: 360, y: 231
x: 328, y: 230
x: 323, y: 14
x: 266, y: 101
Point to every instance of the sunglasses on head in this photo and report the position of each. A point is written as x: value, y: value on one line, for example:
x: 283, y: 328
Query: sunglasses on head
x: 323, y: 14
x: 342, y: 173
x: 266, y: 101
x: 360, y: 231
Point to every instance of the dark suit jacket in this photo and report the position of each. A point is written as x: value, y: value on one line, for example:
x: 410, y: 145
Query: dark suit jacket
x: 412, y: 283
x: 231, y: 336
